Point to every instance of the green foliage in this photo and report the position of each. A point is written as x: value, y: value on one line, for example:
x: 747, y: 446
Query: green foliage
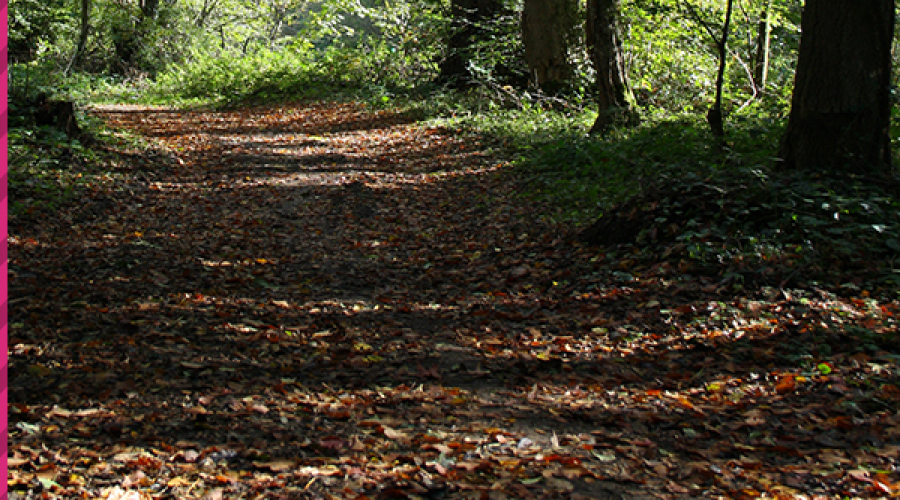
x: 35, y: 26
x: 586, y: 176
x: 393, y: 44
x: 338, y: 45
x: 45, y: 171
x: 732, y: 213
x: 778, y: 227
x: 497, y: 57
x: 130, y: 41
x: 264, y: 73
x: 390, y: 47
x: 528, y: 125
x: 672, y: 59
x: 26, y: 81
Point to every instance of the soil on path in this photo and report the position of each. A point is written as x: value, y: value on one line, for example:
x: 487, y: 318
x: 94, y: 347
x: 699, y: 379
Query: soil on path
x: 325, y: 301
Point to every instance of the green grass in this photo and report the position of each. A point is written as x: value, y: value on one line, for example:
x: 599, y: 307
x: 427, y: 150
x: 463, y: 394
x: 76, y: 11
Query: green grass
x: 730, y: 211
x: 48, y: 171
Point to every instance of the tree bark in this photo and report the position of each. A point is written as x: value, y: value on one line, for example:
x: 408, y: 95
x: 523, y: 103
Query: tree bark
x: 840, y: 109
x: 56, y: 113
x: 715, y: 117
x: 547, y: 35
x: 604, y: 40
x: 761, y: 61
x: 82, y: 35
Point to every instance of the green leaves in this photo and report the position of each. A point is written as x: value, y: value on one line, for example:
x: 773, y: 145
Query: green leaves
x: 660, y: 189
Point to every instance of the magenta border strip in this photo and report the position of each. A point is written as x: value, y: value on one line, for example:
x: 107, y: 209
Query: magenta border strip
x: 4, y: 290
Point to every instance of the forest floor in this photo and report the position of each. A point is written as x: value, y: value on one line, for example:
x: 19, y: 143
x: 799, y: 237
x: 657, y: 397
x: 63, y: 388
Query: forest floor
x: 320, y: 300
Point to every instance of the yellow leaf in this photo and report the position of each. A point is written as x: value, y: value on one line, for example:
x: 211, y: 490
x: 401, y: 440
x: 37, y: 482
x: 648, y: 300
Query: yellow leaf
x: 175, y: 482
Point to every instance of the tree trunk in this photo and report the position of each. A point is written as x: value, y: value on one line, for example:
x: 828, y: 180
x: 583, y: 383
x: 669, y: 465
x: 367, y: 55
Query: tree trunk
x: 547, y: 35
x: 840, y: 109
x: 276, y: 22
x: 761, y: 61
x: 82, y: 35
x: 57, y: 114
x: 468, y: 17
x: 715, y: 117
x: 604, y: 41
x: 125, y: 42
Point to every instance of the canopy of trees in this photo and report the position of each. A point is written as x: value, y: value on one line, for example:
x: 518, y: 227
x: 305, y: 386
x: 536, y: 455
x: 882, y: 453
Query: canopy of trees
x: 640, y: 56
x: 534, y: 47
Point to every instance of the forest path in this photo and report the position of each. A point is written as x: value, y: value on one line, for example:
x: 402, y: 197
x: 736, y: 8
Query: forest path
x: 322, y: 300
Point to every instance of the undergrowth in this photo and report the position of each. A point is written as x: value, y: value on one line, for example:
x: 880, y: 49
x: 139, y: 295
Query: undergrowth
x: 48, y: 170
x: 665, y: 191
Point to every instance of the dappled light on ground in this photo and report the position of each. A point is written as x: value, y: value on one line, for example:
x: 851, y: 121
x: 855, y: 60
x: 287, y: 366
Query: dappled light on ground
x: 322, y: 301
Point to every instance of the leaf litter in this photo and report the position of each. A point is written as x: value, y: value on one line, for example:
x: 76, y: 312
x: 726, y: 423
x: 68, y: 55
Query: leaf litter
x: 320, y: 300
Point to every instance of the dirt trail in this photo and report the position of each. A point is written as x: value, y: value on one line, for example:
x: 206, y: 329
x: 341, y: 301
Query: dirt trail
x: 324, y: 301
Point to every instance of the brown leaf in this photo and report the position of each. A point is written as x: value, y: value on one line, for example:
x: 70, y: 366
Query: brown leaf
x: 214, y: 494
x: 334, y: 443
x: 276, y: 465
x: 394, y: 434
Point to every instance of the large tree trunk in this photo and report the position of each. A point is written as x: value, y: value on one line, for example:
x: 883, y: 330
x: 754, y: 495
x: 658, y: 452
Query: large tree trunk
x: 468, y: 18
x: 547, y: 34
x: 840, y: 110
x: 604, y: 41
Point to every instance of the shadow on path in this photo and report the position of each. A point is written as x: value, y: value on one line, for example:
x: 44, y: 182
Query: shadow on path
x: 321, y: 301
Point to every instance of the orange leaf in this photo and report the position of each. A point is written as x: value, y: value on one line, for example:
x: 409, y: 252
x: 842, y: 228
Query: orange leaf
x: 786, y: 384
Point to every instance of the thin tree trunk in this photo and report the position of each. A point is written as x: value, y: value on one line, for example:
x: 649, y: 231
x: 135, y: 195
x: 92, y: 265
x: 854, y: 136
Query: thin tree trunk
x: 82, y: 36
x: 277, y: 22
x: 764, y: 36
x: 840, y: 109
x: 714, y: 116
